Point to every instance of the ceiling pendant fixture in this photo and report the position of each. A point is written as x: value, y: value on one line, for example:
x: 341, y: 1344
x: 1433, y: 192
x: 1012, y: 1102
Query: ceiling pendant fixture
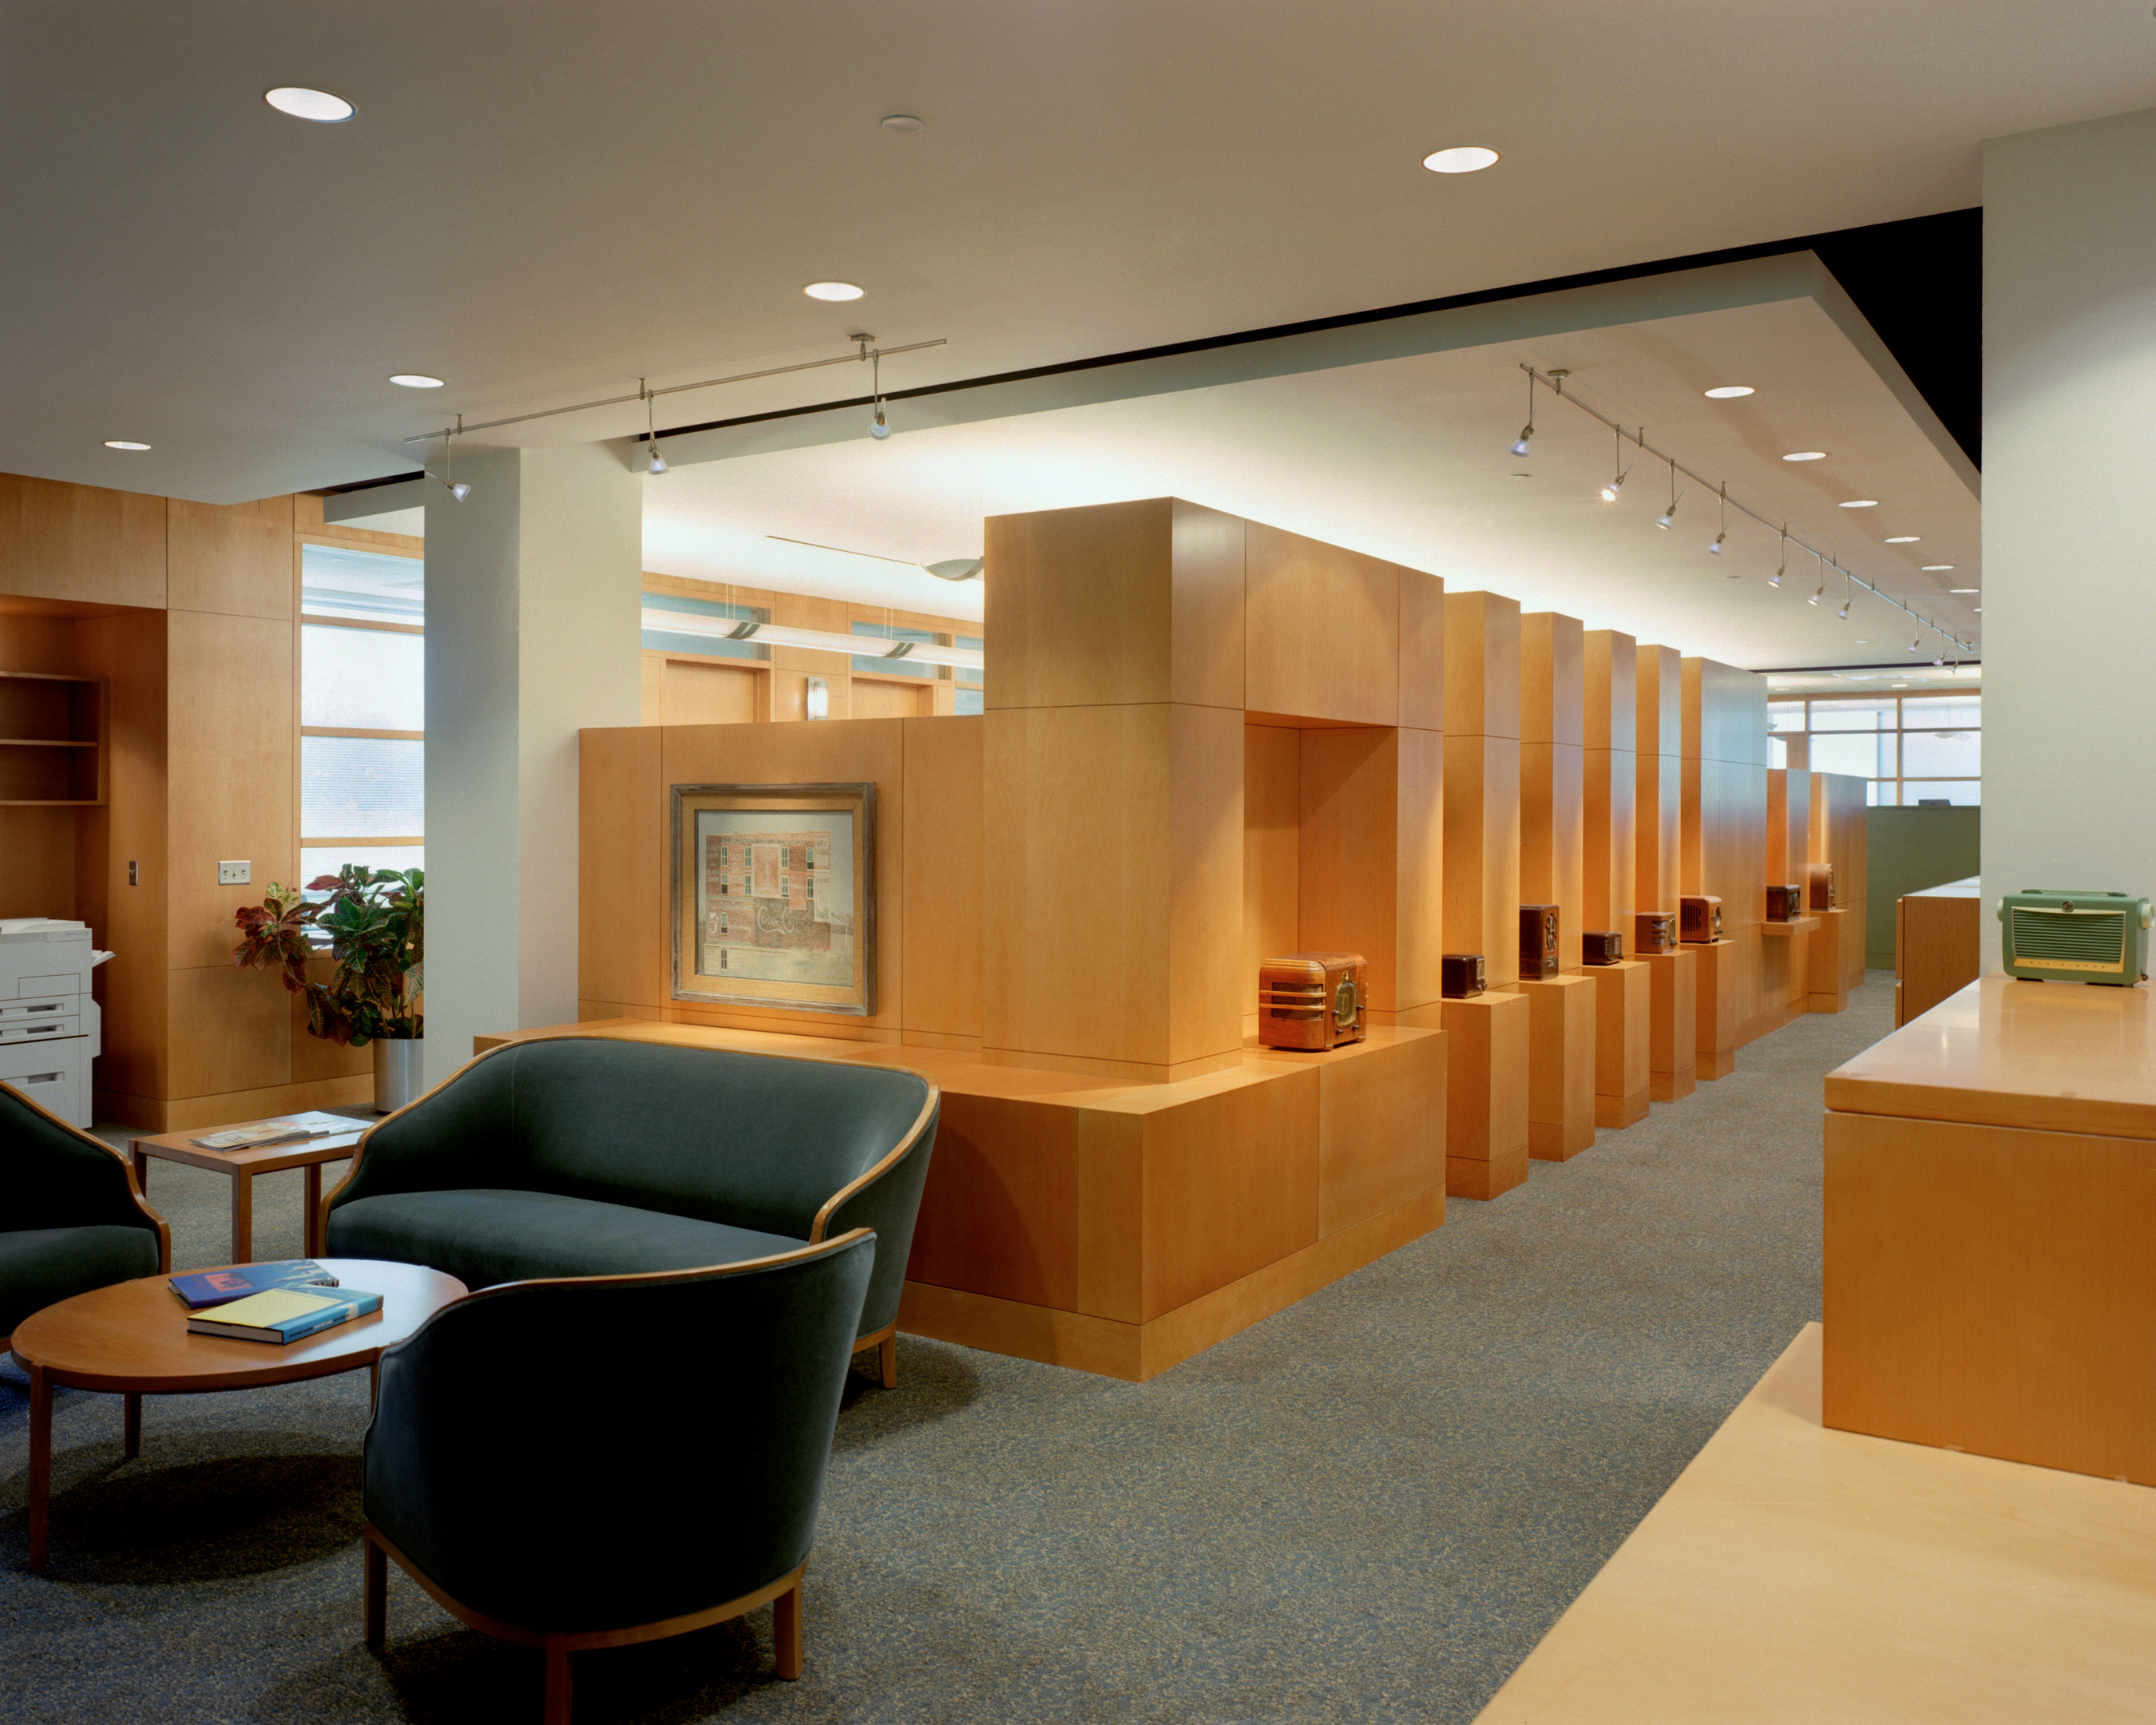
x: 1781, y: 566
x: 879, y: 426
x: 1848, y: 594
x: 1721, y: 538
x: 1816, y: 597
x: 955, y: 568
x: 1611, y: 491
x: 650, y: 431
x: 458, y: 491
x: 1527, y: 431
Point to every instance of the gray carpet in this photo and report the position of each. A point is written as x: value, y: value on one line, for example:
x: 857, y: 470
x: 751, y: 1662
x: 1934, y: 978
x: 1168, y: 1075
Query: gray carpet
x: 1368, y: 1507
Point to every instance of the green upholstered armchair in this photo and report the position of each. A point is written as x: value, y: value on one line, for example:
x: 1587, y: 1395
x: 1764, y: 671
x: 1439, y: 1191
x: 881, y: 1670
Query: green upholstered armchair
x: 680, y: 1492
x: 593, y: 1156
x: 71, y: 1218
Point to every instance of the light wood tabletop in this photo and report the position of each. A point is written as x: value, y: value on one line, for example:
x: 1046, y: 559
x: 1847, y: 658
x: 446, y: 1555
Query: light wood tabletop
x: 242, y: 1166
x: 132, y: 1339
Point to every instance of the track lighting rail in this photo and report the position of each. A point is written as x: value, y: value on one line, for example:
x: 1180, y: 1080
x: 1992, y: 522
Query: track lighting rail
x: 1553, y: 382
x: 866, y: 353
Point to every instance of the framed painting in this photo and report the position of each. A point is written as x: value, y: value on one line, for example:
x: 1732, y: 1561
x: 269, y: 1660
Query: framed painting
x: 774, y: 895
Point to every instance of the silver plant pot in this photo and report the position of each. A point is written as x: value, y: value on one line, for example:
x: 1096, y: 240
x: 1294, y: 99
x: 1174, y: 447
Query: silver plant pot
x: 396, y: 1072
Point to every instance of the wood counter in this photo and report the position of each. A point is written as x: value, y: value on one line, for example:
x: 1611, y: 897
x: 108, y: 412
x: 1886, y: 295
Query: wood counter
x: 1990, y: 1196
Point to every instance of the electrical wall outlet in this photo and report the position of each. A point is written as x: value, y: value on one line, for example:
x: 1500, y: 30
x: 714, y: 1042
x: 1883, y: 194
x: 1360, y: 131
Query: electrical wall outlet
x: 234, y: 874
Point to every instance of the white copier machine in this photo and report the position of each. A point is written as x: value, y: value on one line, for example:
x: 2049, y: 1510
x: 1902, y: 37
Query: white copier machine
x: 49, y: 1026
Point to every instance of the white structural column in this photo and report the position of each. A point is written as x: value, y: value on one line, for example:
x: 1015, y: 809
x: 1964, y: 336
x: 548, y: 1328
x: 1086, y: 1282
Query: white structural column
x: 2068, y: 534
x: 533, y: 587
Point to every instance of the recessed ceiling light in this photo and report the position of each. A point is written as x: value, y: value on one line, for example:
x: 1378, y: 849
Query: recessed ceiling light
x: 1461, y: 159
x: 1864, y: 644
x: 832, y: 290
x: 1807, y: 456
x: 305, y: 104
x: 1936, y: 568
x: 1905, y: 539
x: 415, y: 380
x: 1729, y: 392
x: 1859, y: 503
x: 1897, y: 685
x: 121, y: 443
x: 900, y: 122
x: 1961, y: 590
x: 1976, y: 608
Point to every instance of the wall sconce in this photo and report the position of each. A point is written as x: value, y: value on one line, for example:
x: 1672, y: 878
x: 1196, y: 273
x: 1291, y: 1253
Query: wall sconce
x: 818, y: 702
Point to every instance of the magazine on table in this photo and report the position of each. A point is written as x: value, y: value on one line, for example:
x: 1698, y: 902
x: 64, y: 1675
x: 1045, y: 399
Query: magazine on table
x: 202, y: 1288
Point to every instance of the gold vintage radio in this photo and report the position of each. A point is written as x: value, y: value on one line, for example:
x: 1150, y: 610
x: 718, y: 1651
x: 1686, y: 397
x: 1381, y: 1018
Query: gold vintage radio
x: 1312, y: 1000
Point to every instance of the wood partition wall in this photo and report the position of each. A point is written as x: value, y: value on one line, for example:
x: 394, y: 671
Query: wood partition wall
x: 1207, y: 741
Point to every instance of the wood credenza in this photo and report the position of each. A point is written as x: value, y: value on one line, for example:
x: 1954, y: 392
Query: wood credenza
x: 1938, y: 945
x: 1990, y: 1215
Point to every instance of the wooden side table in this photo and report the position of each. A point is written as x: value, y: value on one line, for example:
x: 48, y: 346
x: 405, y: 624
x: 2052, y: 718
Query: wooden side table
x: 242, y: 1165
x: 132, y: 1338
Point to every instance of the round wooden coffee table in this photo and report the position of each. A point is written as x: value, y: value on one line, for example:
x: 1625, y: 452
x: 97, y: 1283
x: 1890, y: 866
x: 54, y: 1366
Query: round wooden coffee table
x: 132, y: 1338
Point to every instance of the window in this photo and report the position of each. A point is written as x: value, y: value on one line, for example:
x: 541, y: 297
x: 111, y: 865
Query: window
x: 879, y: 667
x: 362, y: 710
x: 972, y: 683
x: 660, y: 639
x: 1913, y: 748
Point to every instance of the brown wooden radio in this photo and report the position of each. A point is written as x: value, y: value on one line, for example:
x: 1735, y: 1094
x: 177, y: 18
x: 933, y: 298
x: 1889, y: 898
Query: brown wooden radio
x: 1601, y: 946
x: 1784, y: 904
x: 1538, y: 943
x: 1819, y: 886
x: 1699, y: 920
x: 1654, y: 931
x: 1312, y: 1000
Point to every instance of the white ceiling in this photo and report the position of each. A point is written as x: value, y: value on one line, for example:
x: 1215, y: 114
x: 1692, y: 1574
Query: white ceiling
x: 543, y: 200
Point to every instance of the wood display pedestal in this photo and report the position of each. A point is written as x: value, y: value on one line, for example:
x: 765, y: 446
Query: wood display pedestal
x: 1784, y: 973
x: 1486, y: 1114
x: 1716, y: 983
x: 1990, y: 1196
x: 1561, y: 1043
x: 1622, y: 998
x: 1120, y: 1228
x: 1672, y: 1023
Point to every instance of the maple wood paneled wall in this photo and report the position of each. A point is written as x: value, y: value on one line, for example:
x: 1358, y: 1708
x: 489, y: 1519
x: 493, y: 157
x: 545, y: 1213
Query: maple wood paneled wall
x: 189, y: 613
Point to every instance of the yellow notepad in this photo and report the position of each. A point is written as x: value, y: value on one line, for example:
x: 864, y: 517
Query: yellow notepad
x: 279, y: 1305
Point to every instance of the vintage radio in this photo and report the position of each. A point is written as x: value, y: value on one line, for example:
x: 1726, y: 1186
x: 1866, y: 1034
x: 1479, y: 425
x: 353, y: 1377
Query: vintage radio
x: 1538, y: 943
x: 1601, y: 946
x: 1784, y: 904
x: 1460, y: 975
x: 1699, y: 921
x: 1312, y: 1000
x: 2049, y: 936
x: 1654, y: 931
x: 1819, y: 886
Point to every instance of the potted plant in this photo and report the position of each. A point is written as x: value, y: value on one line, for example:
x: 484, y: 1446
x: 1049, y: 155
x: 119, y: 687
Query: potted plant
x: 371, y: 926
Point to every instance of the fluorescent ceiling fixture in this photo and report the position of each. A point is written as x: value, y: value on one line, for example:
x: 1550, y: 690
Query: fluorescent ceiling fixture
x: 1729, y: 392
x: 1859, y: 503
x: 1961, y: 590
x: 1461, y: 159
x: 1807, y: 456
x: 832, y: 290
x: 816, y: 640
x: 121, y: 443
x: 1899, y: 686
x: 415, y: 380
x: 1905, y: 539
x: 304, y: 104
x: 1936, y: 568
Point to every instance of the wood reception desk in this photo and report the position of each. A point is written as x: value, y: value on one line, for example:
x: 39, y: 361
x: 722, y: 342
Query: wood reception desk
x: 1990, y: 1250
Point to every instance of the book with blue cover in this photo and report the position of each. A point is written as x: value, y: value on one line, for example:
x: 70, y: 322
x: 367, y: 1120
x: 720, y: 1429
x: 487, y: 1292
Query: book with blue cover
x: 285, y: 1315
x: 202, y: 1288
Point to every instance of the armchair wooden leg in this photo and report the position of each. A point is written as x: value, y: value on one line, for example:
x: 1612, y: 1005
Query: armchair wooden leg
x: 887, y: 1353
x: 377, y: 1593
x: 786, y: 1631
x: 133, y: 1425
x: 557, y: 1681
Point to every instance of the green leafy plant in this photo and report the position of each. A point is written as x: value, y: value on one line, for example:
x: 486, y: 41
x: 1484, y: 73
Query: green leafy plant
x: 371, y: 927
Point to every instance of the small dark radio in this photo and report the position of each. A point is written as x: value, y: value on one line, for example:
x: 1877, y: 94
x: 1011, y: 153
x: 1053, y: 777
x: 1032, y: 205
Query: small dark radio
x: 1460, y: 975
x: 1654, y: 931
x: 1784, y: 904
x: 1819, y: 883
x: 1538, y: 943
x: 1601, y: 946
x: 1699, y: 920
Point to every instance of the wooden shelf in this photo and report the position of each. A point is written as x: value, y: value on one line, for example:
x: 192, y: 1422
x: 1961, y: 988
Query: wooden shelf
x: 1801, y: 925
x: 52, y: 752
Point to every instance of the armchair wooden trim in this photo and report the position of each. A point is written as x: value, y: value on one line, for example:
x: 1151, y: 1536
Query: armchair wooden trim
x: 127, y: 1166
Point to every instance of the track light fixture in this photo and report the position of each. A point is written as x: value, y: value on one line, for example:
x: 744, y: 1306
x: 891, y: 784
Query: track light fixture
x: 1527, y: 431
x: 1668, y: 518
x: 1821, y: 591
x: 1782, y: 564
x: 1915, y: 642
x: 879, y: 426
x: 650, y: 432
x: 1721, y: 538
x: 1618, y: 469
x: 1848, y: 594
x: 458, y: 491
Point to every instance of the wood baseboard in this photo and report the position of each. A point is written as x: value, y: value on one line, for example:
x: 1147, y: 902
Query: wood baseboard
x: 1463, y: 1178
x: 1136, y: 1352
x: 1619, y: 1113
x: 1551, y: 1142
x: 1672, y: 1086
x: 1719, y: 1064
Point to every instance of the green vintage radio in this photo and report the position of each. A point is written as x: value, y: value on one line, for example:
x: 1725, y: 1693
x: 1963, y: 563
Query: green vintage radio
x: 2075, y: 937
